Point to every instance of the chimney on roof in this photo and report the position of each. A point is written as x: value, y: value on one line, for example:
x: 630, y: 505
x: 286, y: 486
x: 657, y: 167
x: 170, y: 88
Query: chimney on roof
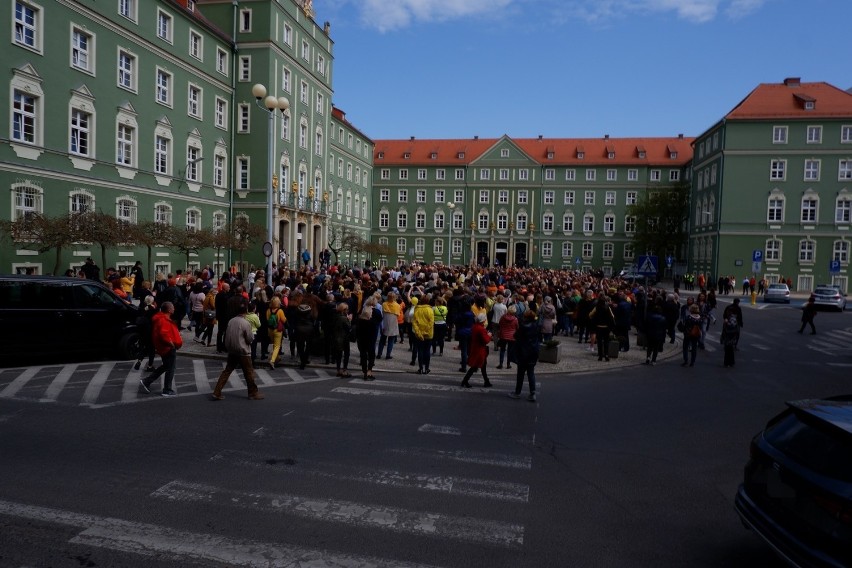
x: 412, y: 138
x: 680, y: 136
x: 540, y: 136
x: 606, y: 136
x: 793, y: 81
x: 476, y: 137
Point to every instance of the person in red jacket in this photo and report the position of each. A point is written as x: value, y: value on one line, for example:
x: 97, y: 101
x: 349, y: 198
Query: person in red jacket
x: 476, y: 359
x: 167, y: 340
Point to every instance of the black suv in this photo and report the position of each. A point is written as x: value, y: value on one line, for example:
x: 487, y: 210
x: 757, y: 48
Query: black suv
x: 797, y: 492
x: 44, y: 316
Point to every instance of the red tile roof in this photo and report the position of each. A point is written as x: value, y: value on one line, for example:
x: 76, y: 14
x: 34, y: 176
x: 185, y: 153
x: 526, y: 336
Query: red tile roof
x: 786, y: 100
x: 564, y: 150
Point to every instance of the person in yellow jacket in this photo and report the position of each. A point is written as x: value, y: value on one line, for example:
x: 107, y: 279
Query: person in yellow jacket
x: 422, y: 329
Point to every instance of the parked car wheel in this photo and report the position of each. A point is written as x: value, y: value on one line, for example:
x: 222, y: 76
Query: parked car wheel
x: 130, y: 347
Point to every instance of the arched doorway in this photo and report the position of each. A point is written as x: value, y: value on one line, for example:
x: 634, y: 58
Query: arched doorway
x: 284, y: 242
x: 316, y: 243
x: 521, y: 254
x: 501, y: 253
x: 301, y: 243
x: 482, y: 256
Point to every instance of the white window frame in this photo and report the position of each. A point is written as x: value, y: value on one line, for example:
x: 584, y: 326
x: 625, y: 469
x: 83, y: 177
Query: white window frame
x: 589, y: 197
x: 196, y: 45
x: 632, y: 175
x: 222, y: 61
x: 814, y: 134
x: 164, y: 82
x: 165, y: 26
x: 779, y: 134
x: 844, y: 170
x: 812, y: 168
x: 775, y: 209
x: 777, y: 170
x: 458, y: 196
x: 127, y: 62
x: 569, y: 197
x: 809, y: 209
x: 523, y: 197
x: 221, y: 113
x: 82, y: 56
x: 126, y: 210
x: 194, y: 101
x: 27, y: 30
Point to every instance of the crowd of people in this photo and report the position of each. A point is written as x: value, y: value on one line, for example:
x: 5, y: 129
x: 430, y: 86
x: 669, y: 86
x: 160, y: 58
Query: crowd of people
x: 322, y: 311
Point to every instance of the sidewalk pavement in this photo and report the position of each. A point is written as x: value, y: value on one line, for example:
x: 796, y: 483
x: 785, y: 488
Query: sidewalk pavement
x: 574, y: 357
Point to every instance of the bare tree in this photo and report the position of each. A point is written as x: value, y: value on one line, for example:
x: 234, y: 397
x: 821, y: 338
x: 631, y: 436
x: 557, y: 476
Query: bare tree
x: 188, y: 241
x: 98, y: 228
x: 375, y: 249
x: 149, y: 234
x: 245, y: 236
x: 42, y: 233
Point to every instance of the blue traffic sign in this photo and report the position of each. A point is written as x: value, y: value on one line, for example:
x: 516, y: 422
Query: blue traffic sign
x: 577, y: 261
x: 647, y: 265
x: 757, y: 255
x: 834, y: 266
x: 669, y: 261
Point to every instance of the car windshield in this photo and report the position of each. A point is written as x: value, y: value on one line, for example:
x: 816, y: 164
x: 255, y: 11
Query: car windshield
x: 777, y: 286
x: 826, y: 291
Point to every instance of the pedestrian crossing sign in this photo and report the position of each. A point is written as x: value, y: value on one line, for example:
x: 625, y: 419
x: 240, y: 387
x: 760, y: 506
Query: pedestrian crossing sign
x: 647, y: 265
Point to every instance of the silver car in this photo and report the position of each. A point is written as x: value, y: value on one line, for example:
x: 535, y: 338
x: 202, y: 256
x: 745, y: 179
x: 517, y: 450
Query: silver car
x: 829, y: 297
x: 777, y: 293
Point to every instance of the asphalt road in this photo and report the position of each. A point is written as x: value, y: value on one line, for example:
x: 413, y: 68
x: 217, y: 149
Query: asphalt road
x: 633, y: 467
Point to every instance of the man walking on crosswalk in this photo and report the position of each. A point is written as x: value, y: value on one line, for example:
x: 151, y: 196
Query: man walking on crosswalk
x: 238, y: 338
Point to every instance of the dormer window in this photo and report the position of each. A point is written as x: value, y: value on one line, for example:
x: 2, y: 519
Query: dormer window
x: 381, y: 155
x: 581, y: 153
x: 640, y: 151
x: 434, y: 155
x: 504, y: 153
x: 407, y: 155
x: 610, y: 151
x: 806, y: 101
x: 550, y: 155
x: 610, y: 155
x: 461, y: 155
x: 673, y: 155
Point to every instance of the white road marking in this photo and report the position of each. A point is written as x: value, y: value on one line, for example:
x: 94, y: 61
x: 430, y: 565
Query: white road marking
x: 327, y: 399
x: 419, y: 386
x: 433, y: 429
x: 58, y: 383
x: 130, y: 390
x: 167, y: 543
x: 263, y: 378
x: 202, y: 383
x: 294, y: 376
x: 482, y: 488
x: 351, y: 513
x: 376, y: 392
x: 498, y: 460
x: 18, y: 383
x: 96, y: 384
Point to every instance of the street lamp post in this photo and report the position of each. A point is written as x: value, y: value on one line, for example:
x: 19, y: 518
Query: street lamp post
x: 449, y: 222
x: 269, y: 104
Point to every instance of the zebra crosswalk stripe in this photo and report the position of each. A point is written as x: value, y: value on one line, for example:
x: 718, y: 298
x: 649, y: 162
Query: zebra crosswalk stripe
x: 394, y: 519
x: 167, y: 542
x: 16, y: 385
x: 58, y: 383
x: 96, y: 384
x: 202, y: 382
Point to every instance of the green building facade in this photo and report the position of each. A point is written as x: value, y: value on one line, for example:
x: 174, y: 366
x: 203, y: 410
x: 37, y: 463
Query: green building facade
x: 145, y: 111
x: 772, y: 188
x: 552, y: 203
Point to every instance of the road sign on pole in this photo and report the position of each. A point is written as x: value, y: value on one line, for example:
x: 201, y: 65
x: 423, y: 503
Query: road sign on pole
x: 834, y: 266
x: 757, y: 255
x: 577, y: 261
x: 647, y: 265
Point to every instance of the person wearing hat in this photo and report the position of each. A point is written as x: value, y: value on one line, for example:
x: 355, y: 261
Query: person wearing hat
x: 304, y: 328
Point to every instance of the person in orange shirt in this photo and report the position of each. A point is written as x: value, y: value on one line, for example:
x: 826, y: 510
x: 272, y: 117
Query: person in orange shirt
x: 167, y: 341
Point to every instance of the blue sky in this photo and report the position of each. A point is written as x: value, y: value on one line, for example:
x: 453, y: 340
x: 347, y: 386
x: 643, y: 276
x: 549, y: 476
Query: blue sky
x: 572, y: 68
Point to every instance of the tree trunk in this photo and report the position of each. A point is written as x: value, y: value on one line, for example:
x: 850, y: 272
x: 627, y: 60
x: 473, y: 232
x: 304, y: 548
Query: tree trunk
x: 58, y: 259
